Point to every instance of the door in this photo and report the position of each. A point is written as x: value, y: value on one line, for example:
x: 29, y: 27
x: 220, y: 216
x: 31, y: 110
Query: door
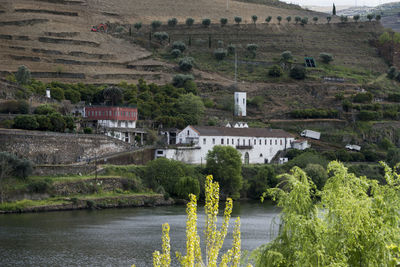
x: 246, y: 158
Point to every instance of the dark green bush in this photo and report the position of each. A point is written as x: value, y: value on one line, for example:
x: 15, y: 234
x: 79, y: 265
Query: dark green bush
x: 186, y: 64
x: 176, y: 53
x: 39, y: 187
x: 15, y: 107
x: 275, y: 71
x: 363, y: 98
x: 268, y: 19
x: 179, y: 45
x: 180, y: 80
x: 88, y: 130
x: 187, y: 185
x: 223, y: 21
x: 326, y: 57
x: 314, y: 113
x: 155, y: 24
x: 238, y: 20
x: 298, y: 72
x: 161, y: 36
x: 318, y: 174
x: 394, y: 97
x: 45, y: 109
x: 206, y: 22
x: 26, y: 122
x: 189, y: 21
x: 72, y: 95
x: 172, y: 22
x: 366, y: 115
x: 23, y: 75
x: 220, y: 53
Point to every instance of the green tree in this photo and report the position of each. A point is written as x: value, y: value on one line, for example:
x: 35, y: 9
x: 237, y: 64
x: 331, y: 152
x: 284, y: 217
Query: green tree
x: 252, y: 48
x: 190, y: 108
x: 378, y: 17
x: 268, y: 19
x: 298, y: 72
x: 318, y: 175
x: 370, y: 17
x: 206, y: 22
x: 315, y: 19
x: 58, y: 123
x: 275, y: 71
x: 172, y: 22
x: 225, y: 163
x: 220, y: 53
x: 44, y: 122
x: 356, y: 18
x: 161, y: 36
x: 186, y: 64
x: 223, y: 21
x: 286, y: 56
x: 155, y: 24
x: 179, y: 45
x: 279, y: 18
x: 238, y: 20
x: 137, y: 26
x: 187, y: 185
x: 26, y: 122
x: 326, y: 57
x: 328, y: 19
x: 44, y: 109
x: 264, y: 179
x: 254, y: 18
x: 355, y: 222
x: 176, y: 53
x: 72, y: 95
x: 393, y: 156
x: 23, y: 75
x: 57, y: 93
x: 288, y: 18
x: 189, y: 22
x: 334, y: 10
x: 113, y: 95
x: 297, y: 19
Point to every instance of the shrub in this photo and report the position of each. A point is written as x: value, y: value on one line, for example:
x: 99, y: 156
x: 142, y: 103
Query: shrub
x: 378, y: 17
x: 206, y: 22
x: 257, y: 101
x: 326, y: 57
x: 187, y: 185
x: 155, y: 24
x: 44, y: 109
x: 318, y: 174
x: 119, y: 29
x: 370, y: 17
x: 220, y: 53
x: 57, y: 93
x: 279, y: 18
x: 179, y: 45
x: 15, y: 107
x: 223, y: 21
x: 275, y: 71
x: 297, y: 19
x: 328, y: 19
x: 137, y: 26
x: 392, y: 72
x: 58, y: 123
x: 343, y: 18
x: 394, y: 97
x: 23, y: 75
x: 254, y: 18
x: 288, y: 18
x: 252, y: 48
x: 186, y: 64
x: 231, y: 49
x: 366, y: 115
x: 87, y: 130
x: 161, y: 36
x: 268, y: 19
x: 179, y: 80
x: 26, y: 122
x: 172, y: 22
x: 356, y: 18
x: 286, y: 56
x: 307, y: 158
x: 44, y: 122
x: 238, y: 20
x: 298, y: 72
x: 176, y: 53
x: 315, y: 19
x: 363, y: 98
x: 189, y: 21
x: 314, y: 113
x: 304, y: 21
x: 264, y: 179
x: 208, y: 103
x: 72, y: 95
x: 38, y: 187
x: 385, y: 144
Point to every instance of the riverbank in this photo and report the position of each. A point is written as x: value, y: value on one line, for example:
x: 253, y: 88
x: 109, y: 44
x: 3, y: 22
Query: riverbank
x: 97, y: 201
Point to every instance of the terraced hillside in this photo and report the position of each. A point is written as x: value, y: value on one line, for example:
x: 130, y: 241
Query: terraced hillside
x: 53, y: 38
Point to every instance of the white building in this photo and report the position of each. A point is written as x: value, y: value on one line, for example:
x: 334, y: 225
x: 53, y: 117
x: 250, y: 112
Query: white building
x: 239, y: 124
x: 256, y: 145
x: 240, y: 104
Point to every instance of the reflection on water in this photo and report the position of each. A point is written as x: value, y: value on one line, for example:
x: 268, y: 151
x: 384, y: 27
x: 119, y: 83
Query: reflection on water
x: 115, y: 237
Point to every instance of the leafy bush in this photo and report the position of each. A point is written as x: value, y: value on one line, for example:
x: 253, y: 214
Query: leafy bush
x: 180, y: 80
x: 254, y: 18
x: 179, y: 45
x: 161, y: 36
x: 314, y: 113
x: 57, y: 93
x: 392, y: 72
x: 307, y: 158
x: 38, y: 187
x: 304, y: 21
x: 297, y: 19
x: 275, y: 71
x: 155, y: 24
x: 238, y: 20
x: 137, y: 26
x: 187, y: 185
x: 72, y: 95
x: 206, y: 22
x: 13, y: 166
x: 268, y: 19
x: 189, y: 21
x: 223, y: 21
x: 186, y: 64
x: 44, y: 109
x: 23, y: 75
x: 366, y: 115
x: 394, y: 97
x: 252, y: 48
x: 15, y: 107
x: 363, y: 98
x: 176, y: 53
x: 220, y: 53
x: 26, y: 122
x: 231, y: 49
x: 172, y: 22
x: 288, y: 18
x: 286, y: 56
x: 298, y: 72
x: 326, y: 57
x: 279, y: 18
x: 88, y: 130
x: 259, y: 183
x: 318, y: 174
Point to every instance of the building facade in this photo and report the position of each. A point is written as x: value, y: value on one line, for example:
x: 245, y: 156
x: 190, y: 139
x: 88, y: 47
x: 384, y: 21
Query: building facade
x: 240, y: 99
x: 117, y: 122
x: 256, y: 145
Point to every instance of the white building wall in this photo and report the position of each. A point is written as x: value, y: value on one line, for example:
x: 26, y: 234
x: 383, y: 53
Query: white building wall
x: 117, y: 124
x: 240, y: 104
x: 262, y: 149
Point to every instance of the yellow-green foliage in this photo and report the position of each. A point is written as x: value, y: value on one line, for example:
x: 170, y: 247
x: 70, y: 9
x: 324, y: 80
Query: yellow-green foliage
x: 355, y: 223
x: 214, y: 238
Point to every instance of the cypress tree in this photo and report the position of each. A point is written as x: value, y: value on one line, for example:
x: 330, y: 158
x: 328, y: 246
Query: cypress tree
x: 334, y: 10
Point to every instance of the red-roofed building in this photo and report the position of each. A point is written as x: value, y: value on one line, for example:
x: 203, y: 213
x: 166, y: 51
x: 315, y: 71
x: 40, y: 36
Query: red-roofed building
x: 113, y: 117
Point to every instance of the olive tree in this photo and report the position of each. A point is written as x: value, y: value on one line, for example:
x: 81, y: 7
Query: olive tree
x: 315, y: 19
x: 328, y: 19
x: 252, y: 48
x: 297, y: 19
x: 23, y: 75
x: 279, y: 18
x: 254, y: 18
x: 172, y: 22
x: 137, y: 26
x: 155, y: 24
x: 288, y: 18
x: 186, y: 64
x: 370, y: 17
x: 268, y: 19
x: 326, y: 57
x: 161, y: 36
x: 238, y: 20
x: 223, y: 21
x: 220, y: 53
x: 189, y: 21
x: 206, y: 22
x: 356, y: 18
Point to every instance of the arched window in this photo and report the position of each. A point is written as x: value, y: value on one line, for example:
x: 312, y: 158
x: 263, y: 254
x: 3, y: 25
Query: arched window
x: 261, y: 155
x: 246, y: 158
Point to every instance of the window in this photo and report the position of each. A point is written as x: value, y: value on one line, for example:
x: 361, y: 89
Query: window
x: 227, y: 141
x: 160, y: 152
x: 281, y: 141
x: 270, y: 142
x: 188, y: 132
x: 233, y: 141
x: 222, y: 141
x: 213, y: 141
x: 255, y: 141
x: 276, y: 142
x: 204, y: 141
x: 260, y: 142
x: 249, y: 142
x: 244, y: 142
x: 265, y: 141
x: 261, y: 155
x: 243, y: 101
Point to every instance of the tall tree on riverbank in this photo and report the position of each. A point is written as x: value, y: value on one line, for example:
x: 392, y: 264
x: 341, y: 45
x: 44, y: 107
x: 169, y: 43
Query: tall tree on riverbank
x: 334, y: 10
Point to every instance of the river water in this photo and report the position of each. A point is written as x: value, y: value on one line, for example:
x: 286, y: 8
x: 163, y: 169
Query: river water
x: 116, y: 237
